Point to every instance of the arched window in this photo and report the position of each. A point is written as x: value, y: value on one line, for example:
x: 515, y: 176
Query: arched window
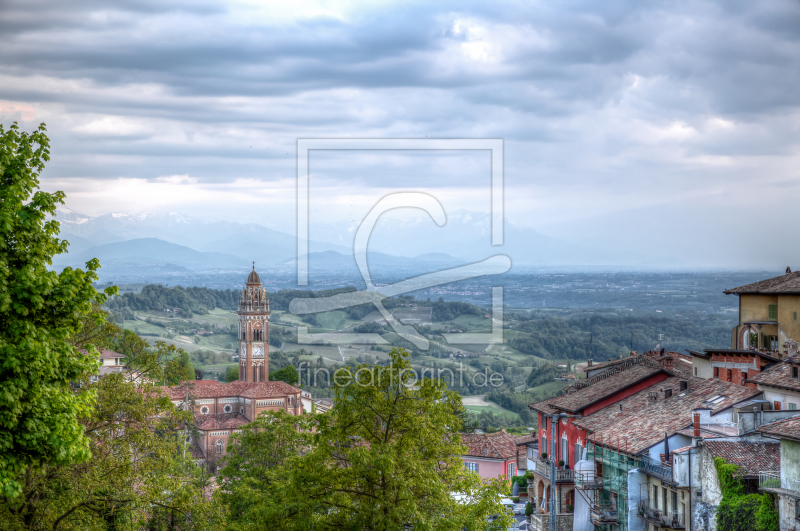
x: 219, y: 446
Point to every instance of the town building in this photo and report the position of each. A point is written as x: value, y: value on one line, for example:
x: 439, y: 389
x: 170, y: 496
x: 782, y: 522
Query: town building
x: 731, y: 365
x: 767, y: 314
x: 780, y: 383
x: 618, y: 381
x: 491, y: 455
x: 784, y: 481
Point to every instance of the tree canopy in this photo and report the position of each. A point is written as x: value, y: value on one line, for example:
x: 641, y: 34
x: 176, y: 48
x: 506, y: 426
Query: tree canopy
x: 40, y: 310
x: 386, y: 456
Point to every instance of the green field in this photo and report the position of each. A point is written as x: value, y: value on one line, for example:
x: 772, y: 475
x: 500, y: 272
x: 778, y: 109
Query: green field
x: 495, y: 409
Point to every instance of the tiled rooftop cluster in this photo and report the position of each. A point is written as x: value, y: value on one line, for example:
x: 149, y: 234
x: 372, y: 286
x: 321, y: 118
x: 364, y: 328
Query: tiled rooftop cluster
x: 639, y: 421
x: 780, y: 375
x: 785, y: 285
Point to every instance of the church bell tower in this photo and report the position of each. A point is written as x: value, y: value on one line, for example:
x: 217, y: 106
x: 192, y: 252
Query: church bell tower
x: 253, y: 331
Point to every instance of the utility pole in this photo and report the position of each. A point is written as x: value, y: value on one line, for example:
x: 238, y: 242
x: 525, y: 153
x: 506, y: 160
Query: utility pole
x: 631, y: 341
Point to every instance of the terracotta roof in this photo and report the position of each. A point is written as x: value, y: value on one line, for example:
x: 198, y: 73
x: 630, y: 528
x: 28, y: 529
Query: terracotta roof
x: 223, y: 421
x: 641, y: 423
x: 544, y: 406
x: 500, y: 445
x: 751, y: 457
x: 525, y: 439
x: 784, y: 284
x: 652, y: 354
x: 603, y: 385
x: 783, y: 429
x: 779, y: 375
x: 681, y: 450
x: 244, y: 389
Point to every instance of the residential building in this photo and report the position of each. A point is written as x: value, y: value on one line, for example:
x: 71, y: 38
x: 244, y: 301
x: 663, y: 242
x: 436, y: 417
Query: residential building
x: 630, y: 444
x: 731, y: 365
x: 768, y: 312
x: 785, y: 481
x: 491, y: 455
x: 618, y: 381
x: 780, y: 383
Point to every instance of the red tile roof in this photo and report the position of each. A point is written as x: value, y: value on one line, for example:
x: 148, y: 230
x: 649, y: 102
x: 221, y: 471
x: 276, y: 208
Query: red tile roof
x: 525, y: 439
x: 224, y: 421
x: 751, y: 457
x: 592, y: 390
x: 784, y: 285
x: 652, y: 354
x: 783, y: 429
x: 500, y: 445
x: 104, y: 354
x: 642, y: 422
x: 779, y: 375
x: 243, y: 389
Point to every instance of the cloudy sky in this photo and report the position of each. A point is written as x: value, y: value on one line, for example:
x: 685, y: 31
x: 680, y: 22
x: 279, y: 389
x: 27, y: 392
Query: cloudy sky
x: 626, y: 121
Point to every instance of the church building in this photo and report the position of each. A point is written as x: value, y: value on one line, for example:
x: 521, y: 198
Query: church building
x: 222, y: 408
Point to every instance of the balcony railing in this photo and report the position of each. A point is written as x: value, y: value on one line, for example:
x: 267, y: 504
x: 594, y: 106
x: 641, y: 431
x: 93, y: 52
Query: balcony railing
x: 769, y: 480
x: 659, y: 518
x: 588, y: 481
x: 603, y: 514
x: 654, y: 468
x: 562, y: 476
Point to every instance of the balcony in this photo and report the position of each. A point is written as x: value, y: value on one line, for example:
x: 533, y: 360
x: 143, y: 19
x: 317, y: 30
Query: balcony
x: 588, y: 481
x: 562, y: 476
x: 657, y: 517
x: 657, y: 469
x: 603, y: 514
x: 769, y: 480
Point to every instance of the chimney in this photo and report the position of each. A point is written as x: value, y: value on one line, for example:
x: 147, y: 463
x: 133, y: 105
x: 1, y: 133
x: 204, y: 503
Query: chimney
x: 696, y: 425
x: 666, y: 362
x: 588, y: 363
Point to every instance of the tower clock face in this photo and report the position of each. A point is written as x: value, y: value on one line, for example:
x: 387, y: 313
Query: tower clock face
x: 244, y: 351
x: 258, y: 351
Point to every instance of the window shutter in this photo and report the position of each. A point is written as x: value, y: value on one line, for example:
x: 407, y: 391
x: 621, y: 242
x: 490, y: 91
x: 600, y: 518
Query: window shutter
x: 773, y: 311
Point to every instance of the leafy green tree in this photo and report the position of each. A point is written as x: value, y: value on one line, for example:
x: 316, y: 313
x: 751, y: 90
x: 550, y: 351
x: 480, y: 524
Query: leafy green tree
x: 288, y: 374
x: 231, y: 374
x: 139, y: 466
x: 40, y: 310
x: 387, y: 456
x: 180, y: 369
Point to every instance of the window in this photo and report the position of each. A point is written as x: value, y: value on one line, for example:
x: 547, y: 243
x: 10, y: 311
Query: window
x: 794, y: 316
x: 655, y: 497
x: 773, y: 311
x: 544, y: 445
x: 204, y: 410
x: 564, y: 451
x: 577, y: 455
x: 510, y: 470
x: 792, y: 406
x: 219, y: 446
x: 674, y: 501
x: 795, y: 372
x: 227, y: 408
x: 667, y: 393
x: 664, y: 498
x: 797, y: 510
x: 685, y: 384
x: 472, y: 467
x: 716, y: 372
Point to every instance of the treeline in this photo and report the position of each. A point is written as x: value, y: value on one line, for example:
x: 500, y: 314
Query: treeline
x: 155, y: 297
x: 606, y: 337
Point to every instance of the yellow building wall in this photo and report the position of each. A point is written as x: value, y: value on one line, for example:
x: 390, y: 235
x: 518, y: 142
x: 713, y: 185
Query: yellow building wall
x: 787, y: 305
x: 755, y: 307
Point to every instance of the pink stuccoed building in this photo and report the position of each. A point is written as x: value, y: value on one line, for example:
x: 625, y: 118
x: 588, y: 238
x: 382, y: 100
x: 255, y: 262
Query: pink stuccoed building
x: 492, y: 455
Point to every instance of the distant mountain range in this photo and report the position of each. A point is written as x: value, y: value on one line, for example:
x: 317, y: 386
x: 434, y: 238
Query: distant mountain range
x: 175, y: 243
